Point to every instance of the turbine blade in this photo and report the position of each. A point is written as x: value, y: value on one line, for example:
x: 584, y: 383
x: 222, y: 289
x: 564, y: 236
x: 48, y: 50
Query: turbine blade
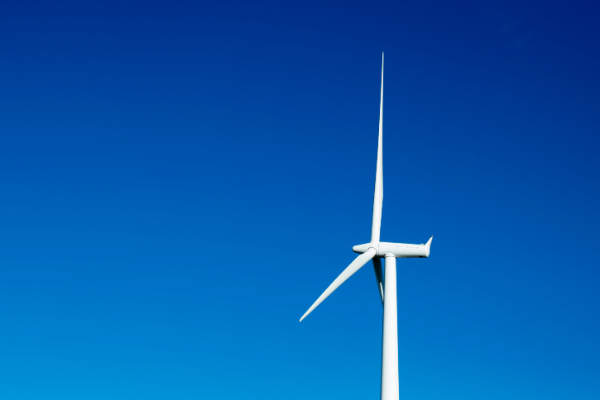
x: 378, y: 198
x: 378, y: 276
x: 347, y: 273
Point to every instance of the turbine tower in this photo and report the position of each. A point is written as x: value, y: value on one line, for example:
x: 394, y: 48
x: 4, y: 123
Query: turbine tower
x: 386, y: 284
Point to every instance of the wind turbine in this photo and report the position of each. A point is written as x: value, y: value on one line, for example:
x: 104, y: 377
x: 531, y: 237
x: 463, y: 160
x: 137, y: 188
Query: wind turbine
x: 375, y: 251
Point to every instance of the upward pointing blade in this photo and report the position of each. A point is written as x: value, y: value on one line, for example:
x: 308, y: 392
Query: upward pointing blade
x: 347, y: 273
x: 378, y: 198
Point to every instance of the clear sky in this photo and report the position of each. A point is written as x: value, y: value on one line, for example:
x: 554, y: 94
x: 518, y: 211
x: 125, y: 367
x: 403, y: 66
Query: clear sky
x: 179, y: 182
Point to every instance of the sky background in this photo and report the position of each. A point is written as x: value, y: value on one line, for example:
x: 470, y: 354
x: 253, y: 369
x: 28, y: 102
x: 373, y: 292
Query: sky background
x: 180, y: 181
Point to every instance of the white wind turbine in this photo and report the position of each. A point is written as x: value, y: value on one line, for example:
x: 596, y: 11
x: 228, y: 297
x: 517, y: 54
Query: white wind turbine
x: 375, y: 250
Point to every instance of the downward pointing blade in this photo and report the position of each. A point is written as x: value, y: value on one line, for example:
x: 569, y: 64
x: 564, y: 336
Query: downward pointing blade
x: 378, y: 198
x: 378, y: 276
x: 347, y: 273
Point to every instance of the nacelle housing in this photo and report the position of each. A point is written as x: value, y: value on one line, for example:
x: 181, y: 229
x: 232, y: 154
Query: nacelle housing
x: 399, y: 250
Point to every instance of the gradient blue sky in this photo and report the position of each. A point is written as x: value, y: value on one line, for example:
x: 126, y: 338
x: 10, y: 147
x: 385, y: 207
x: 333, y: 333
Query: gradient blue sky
x: 179, y: 181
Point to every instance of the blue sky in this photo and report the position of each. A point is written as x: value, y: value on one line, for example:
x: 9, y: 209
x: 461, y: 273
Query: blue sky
x: 179, y: 181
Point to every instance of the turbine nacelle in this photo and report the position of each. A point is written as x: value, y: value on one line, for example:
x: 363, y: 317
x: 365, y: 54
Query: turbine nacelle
x: 399, y: 250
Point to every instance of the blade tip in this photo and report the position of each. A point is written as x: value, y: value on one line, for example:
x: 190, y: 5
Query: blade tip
x: 305, y: 315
